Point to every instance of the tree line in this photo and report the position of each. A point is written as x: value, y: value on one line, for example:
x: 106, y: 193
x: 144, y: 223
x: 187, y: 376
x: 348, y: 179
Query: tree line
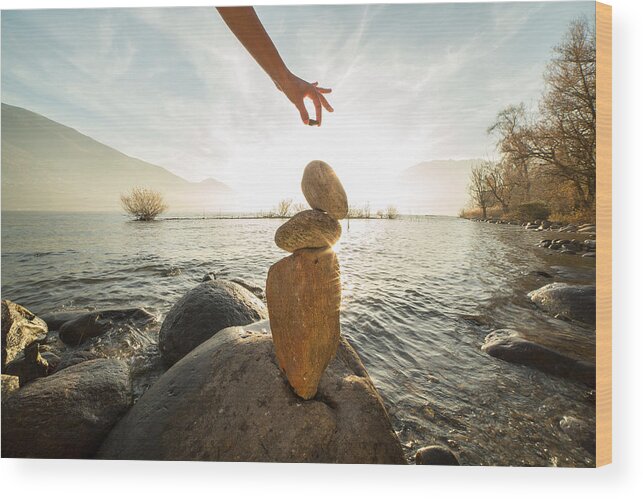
x: 547, y: 155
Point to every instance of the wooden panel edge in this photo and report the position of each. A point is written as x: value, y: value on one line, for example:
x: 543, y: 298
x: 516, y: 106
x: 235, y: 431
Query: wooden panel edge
x: 604, y: 234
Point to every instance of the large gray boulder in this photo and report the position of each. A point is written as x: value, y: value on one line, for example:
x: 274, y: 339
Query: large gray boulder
x: 202, y: 312
x: 228, y: 401
x: 68, y: 414
x: 510, y: 346
x: 92, y: 324
x: 19, y: 328
x: 569, y: 301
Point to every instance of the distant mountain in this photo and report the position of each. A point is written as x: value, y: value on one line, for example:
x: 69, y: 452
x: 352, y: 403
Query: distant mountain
x: 436, y: 187
x: 51, y: 167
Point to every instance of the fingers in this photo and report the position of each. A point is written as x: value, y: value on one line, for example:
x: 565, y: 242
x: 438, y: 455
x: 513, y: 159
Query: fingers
x: 325, y: 103
x: 316, y: 95
x: 320, y: 89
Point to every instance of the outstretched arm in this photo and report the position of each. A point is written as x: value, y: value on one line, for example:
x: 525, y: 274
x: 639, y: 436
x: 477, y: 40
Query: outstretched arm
x: 247, y: 27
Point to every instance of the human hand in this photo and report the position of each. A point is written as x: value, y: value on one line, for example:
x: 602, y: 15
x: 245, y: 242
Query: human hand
x: 297, y: 90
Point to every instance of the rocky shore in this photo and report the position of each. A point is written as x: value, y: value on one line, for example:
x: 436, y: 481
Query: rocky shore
x: 211, y: 389
x: 222, y: 398
x: 561, y: 300
x: 581, y: 241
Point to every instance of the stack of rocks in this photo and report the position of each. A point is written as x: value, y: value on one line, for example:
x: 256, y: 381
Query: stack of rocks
x: 303, y: 290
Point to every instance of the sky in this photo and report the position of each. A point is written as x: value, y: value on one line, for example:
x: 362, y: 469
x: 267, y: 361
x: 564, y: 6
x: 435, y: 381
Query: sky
x: 174, y: 87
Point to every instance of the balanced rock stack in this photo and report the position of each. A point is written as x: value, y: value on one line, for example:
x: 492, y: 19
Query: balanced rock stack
x: 303, y: 290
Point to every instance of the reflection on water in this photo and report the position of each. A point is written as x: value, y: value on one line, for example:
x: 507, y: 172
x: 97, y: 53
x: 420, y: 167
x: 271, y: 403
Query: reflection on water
x: 419, y: 296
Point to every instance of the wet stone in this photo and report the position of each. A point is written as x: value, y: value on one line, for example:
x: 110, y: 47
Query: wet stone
x: 308, y: 229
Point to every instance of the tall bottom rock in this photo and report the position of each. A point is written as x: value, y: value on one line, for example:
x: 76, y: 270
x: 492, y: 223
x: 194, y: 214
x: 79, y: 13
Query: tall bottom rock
x: 303, y: 292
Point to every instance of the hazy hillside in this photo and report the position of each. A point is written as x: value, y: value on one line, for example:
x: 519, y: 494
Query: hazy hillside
x: 49, y: 166
x: 436, y: 187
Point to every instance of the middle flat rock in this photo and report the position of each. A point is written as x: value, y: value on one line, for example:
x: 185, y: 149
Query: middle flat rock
x: 308, y: 229
x: 303, y: 292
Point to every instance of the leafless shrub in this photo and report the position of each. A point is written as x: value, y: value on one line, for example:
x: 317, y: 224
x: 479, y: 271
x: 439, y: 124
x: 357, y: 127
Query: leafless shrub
x: 282, y: 209
x: 391, y: 212
x: 143, y: 204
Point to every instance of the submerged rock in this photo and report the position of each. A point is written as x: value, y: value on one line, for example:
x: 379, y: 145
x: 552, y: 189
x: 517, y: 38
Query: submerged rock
x: 541, y: 273
x: 436, y: 455
x: 56, y: 319
x: 570, y: 301
x: 303, y: 292
x: 19, y: 328
x: 228, y: 401
x: 308, y: 229
x: 92, y: 324
x: 323, y: 190
x: 210, y: 276
x: 510, y: 346
x: 202, y: 312
x: 68, y: 414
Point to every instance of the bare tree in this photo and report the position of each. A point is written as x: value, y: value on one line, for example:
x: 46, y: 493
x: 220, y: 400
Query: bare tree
x: 391, y: 212
x: 355, y: 211
x: 367, y: 210
x: 478, y: 188
x: 560, y: 142
x: 511, y: 130
x: 498, y: 180
x: 283, y: 207
x: 566, y: 135
x: 143, y: 204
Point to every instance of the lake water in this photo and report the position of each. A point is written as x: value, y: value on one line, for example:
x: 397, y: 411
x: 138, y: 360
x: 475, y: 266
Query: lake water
x: 419, y: 297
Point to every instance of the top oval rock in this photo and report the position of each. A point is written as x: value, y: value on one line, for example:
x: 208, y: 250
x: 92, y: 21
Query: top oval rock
x: 323, y: 190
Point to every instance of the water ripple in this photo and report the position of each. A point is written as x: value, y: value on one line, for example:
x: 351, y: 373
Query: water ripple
x: 419, y: 296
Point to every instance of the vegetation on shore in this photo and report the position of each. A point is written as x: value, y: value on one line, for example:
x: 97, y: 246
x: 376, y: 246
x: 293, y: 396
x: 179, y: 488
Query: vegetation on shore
x: 547, y: 165
x: 143, y: 204
x: 285, y: 208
